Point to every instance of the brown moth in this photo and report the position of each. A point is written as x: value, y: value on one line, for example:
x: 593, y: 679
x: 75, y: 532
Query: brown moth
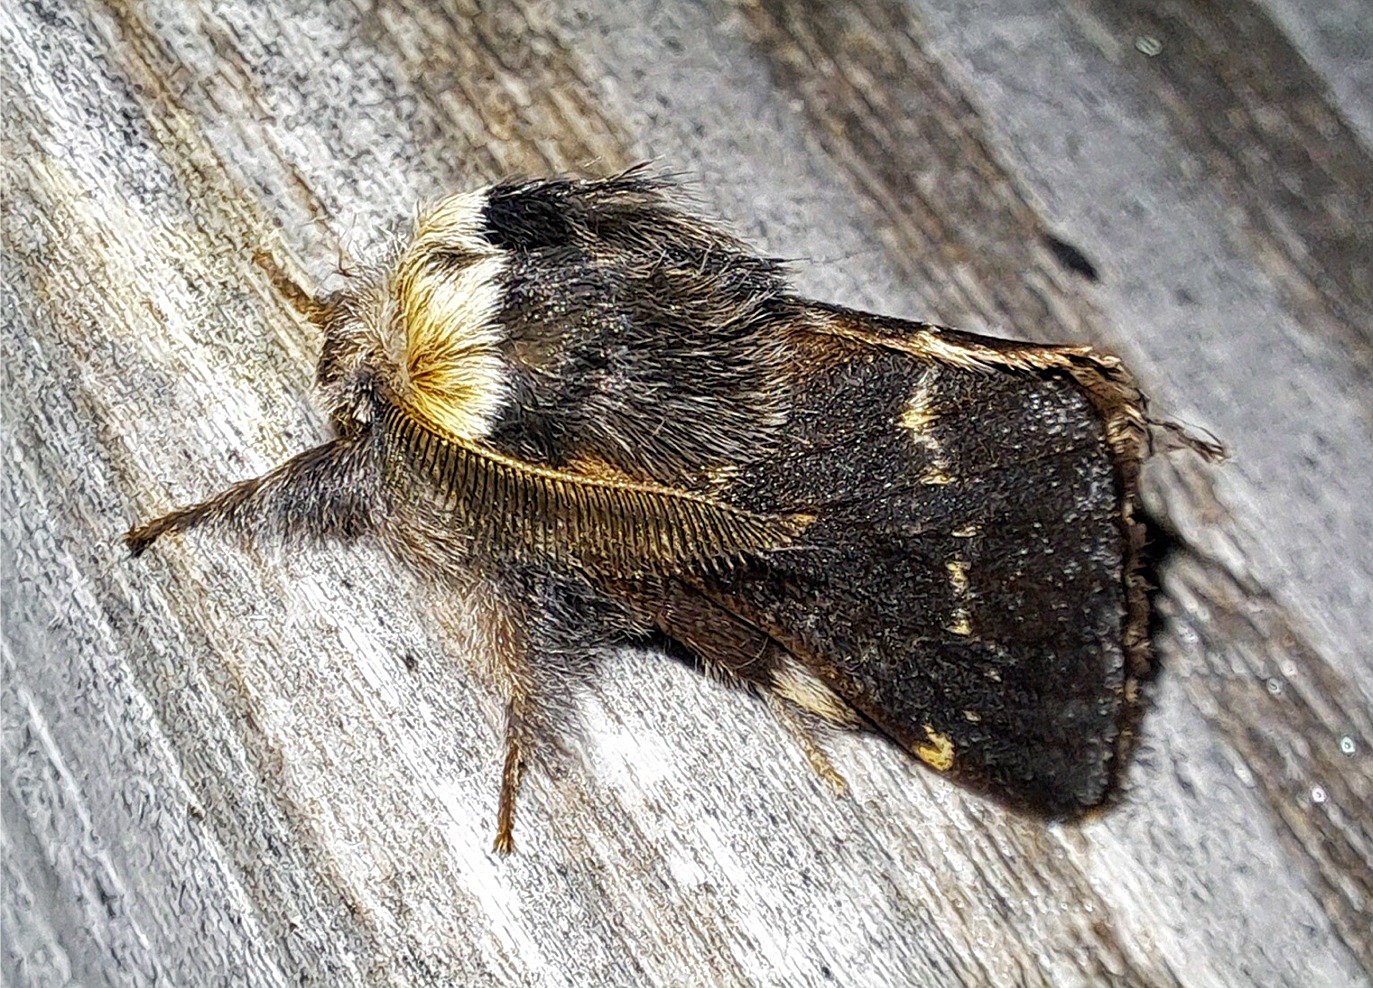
x: 623, y: 424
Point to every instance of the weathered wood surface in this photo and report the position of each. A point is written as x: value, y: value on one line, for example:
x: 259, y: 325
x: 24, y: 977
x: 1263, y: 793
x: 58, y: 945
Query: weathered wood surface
x: 222, y: 767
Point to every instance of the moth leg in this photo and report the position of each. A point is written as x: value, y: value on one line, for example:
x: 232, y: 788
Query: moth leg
x: 325, y: 491
x: 794, y: 719
x: 508, y: 649
x: 741, y: 652
x: 517, y: 745
x: 319, y: 310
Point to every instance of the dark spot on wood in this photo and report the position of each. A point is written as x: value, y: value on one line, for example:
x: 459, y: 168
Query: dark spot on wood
x: 1071, y: 258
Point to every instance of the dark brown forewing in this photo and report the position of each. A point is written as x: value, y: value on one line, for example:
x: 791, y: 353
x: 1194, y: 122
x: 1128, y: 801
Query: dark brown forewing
x: 965, y: 584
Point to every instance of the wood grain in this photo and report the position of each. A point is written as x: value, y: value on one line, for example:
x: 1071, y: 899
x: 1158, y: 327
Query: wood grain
x: 225, y: 767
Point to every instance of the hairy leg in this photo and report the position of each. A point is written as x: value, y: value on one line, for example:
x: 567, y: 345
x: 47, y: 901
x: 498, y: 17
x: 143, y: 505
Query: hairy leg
x: 329, y: 491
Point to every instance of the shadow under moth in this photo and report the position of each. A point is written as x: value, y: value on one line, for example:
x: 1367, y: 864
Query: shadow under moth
x: 617, y: 423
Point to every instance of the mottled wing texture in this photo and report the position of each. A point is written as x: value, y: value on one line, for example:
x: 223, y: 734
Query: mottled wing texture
x: 967, y: 583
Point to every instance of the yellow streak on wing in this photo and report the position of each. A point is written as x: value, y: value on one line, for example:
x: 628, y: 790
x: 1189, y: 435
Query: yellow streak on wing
x: 1102, y: 375
x: 920, y: 413
x: 917, y: 418
x: 960, y: 625
x: 958, y: 575
x: 931, y: 344
x: 938, y: 754
x: 799, y: 685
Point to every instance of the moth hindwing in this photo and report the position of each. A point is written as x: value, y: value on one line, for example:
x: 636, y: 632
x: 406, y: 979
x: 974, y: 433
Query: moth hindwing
x: 620, y: 422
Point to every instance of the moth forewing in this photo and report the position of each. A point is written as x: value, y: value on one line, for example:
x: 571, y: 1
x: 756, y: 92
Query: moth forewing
x: 621, y: 421
x: 969, y: 586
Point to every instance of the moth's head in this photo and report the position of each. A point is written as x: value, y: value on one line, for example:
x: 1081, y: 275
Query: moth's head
x: 422, y: 331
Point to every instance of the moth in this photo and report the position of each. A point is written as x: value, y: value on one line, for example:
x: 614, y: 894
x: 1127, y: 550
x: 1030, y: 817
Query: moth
x: 612, y: 422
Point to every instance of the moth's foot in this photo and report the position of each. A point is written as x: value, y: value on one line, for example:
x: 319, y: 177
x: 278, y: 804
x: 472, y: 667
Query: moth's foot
x: 504, y: 844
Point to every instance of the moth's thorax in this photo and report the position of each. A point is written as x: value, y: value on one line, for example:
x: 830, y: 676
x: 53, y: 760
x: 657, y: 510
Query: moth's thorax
x: 569, y: 323
x: 448, y: 290
x: 421, y: 331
